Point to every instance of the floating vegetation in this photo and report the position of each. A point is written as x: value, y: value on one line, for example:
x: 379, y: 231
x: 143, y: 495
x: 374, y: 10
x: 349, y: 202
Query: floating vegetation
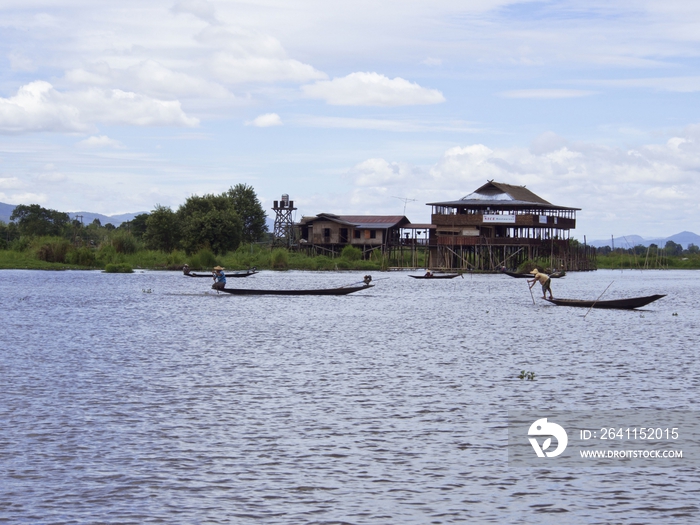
x: 147, y: 291
x: 118, y: 268
x: 530, y: 376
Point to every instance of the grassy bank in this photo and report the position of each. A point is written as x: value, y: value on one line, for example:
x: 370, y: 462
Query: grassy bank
x: 627, y: 261
x: 50, y: 254
x: 11, y: 260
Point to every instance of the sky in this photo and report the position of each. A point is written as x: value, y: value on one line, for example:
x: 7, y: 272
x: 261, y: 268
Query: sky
x: 355, y: 107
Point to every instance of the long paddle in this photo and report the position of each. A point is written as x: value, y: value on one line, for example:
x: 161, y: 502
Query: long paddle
x: 530, y: 288
x: 594, y: 302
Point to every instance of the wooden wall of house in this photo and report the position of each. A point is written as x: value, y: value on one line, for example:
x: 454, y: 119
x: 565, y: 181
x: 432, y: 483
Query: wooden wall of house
x: 366, y: 238
x: 319, y: 228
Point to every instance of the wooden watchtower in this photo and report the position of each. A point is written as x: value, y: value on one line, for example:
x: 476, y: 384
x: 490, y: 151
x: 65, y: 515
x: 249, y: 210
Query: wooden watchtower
x: 283, y: 231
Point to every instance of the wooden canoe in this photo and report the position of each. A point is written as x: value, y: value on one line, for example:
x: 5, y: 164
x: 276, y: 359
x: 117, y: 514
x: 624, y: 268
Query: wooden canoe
x: 436, y: 276
x: 624, y: 304
x: 555, y: 275
x: 242, y: 273
x: 343, y: 290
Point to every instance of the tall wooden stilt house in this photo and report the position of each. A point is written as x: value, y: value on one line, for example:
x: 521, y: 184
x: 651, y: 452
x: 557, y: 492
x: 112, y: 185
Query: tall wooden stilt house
x: 500, y: 226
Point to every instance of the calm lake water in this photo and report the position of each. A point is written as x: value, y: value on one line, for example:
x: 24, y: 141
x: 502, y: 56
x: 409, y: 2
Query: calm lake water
x: 147, y: 398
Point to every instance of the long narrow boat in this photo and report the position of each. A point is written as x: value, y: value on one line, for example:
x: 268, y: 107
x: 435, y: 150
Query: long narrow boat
x: 343, y: 290
x: 241, y: 273
x: 555, y: 275
x: 436, y: 276
x: 624, y: 304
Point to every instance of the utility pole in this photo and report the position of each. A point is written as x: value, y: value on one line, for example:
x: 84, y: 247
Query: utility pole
x: 75, y: 237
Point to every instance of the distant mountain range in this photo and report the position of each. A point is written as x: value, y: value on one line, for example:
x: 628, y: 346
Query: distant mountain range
x: 7, y: 209
x: 630, y: 241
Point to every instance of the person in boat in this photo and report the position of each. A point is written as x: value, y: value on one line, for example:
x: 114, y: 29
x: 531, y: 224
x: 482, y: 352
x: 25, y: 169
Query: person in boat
x: 219, y: 278
x: 544, y: 280
x: 186, y: 269
x: 428, y: 274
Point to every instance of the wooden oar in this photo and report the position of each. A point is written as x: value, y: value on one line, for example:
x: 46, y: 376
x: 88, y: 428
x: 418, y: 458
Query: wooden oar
x: 594, y: 302
x: 530, y: 288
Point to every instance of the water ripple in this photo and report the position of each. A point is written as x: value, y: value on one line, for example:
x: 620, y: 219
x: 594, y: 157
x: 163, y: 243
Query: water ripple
x: 182, y: 406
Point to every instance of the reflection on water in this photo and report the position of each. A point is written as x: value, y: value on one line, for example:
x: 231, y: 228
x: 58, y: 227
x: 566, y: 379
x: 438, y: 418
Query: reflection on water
x: 147, y: 398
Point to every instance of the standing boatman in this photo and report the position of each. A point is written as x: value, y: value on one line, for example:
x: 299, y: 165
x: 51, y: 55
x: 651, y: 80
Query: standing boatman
x: 219, y: 278
x: 544, y: 280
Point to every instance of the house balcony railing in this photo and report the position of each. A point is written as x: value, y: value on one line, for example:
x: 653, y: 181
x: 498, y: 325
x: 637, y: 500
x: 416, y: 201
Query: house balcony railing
x: 521, y: 221
x: 460, y: 240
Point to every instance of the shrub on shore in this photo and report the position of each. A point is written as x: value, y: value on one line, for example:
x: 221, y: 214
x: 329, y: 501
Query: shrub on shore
x: 51, y: 249
x: 279, y: 259
x: 82, y: 256
x: 203, y: 259
x: 351, y: 253
x: 125, y: 242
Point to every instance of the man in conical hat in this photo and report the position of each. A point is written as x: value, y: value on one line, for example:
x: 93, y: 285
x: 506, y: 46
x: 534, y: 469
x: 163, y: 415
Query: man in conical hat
x: 219, y: 278
x: 544, y: 280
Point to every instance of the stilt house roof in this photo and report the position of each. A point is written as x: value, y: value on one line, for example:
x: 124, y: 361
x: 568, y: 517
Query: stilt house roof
x: 500, y: 195
x: 378, y: 222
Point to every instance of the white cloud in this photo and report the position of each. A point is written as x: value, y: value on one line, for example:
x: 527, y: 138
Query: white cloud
x: 615, y: 188
x: 102, y: 141
x: 97, y: 75
x: 266, y: 120
x: 199, y: 8
x: 122, y: 107
x: 52, y: 176
x: 232, y: 69
x: 379, y: 172
x: 23, y: 198
x: 688, y: 84
x: 547, y: 142
x: 240, y: 56
x: 401, y: 126
x: 547, y: 93
x: 37, y: 106
x: 20, y: 62
x: 150, y: 78
x: 371, y: 89
x: 10, y: 183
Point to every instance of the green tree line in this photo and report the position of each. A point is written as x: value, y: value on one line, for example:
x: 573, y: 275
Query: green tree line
x: 670, y: 248
x: 215, y: 223
x: 671, y: 255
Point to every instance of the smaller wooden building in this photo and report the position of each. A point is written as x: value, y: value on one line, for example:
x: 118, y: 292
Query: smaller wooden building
x: 330, y: 233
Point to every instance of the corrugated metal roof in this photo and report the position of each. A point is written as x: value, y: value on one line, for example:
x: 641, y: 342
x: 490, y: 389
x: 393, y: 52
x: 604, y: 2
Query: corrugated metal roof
x: 498, y: 194
x: 378, y: 222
